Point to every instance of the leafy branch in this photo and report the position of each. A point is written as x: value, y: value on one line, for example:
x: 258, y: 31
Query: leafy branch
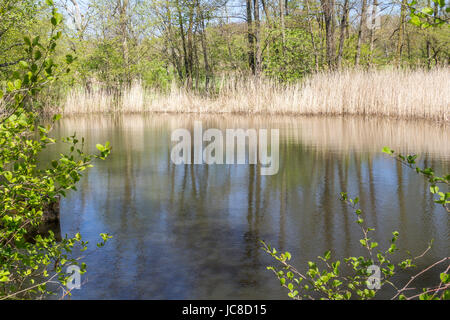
x: 363, y: 282
x: 410, y: 162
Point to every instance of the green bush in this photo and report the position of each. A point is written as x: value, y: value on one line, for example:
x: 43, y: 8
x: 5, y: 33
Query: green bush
x: 29, y: 262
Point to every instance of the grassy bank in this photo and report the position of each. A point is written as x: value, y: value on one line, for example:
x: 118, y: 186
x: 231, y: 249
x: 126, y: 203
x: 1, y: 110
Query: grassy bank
x: 393, y: 93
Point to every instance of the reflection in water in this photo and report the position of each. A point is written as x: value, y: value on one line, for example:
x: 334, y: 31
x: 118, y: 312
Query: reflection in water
x: 192, y: 231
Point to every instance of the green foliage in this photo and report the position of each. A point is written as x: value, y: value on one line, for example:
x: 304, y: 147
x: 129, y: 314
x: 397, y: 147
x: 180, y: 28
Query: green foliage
x: 25, y: 192
x: 154, y: 74
x: 294, y: 60
x: 443, y: 198
x: 15, y: 17
x: 35, y: 70
x: 29, y: 260
x: 427, y: 17
x: 326, y: 280
x: 106, y: 61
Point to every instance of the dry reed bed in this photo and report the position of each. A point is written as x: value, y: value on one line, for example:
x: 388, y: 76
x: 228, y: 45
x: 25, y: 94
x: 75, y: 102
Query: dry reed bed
x: 393, y: 93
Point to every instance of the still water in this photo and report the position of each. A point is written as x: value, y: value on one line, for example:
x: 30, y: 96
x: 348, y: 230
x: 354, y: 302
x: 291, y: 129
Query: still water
x: 193, y: 231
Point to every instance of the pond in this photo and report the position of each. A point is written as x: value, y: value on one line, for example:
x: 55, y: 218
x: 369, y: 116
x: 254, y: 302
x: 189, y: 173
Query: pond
x: 193, y: 231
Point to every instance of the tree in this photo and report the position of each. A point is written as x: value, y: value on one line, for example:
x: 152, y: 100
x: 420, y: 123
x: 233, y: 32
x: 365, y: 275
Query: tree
x: 342, y: 28
x: 398, y: 54
x: 362, y: 23
x: 31, y: 259
x: 328, y: 14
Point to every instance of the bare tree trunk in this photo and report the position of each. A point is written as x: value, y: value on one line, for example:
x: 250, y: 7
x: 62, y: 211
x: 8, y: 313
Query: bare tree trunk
x: 398, y: 55
x: 124, y: 35
x: 436, y: 9
x: 283, y: 32
x: 183, y: 41
x: 204, y: 47
x: 347, y: 27
x: 175, y: 61
x: 190, y: 44
x: 428, y: 43
x: 428, y: 52
x: 266, y: 12
x: 328, y: 14
x: 311, y: 32
x: 251, y: 46
x: 372, y: 31
x: 258, y: 53
x: 362, y: 22
x: 342, y: 28
x: 196, y: 63
x: 77, y: 19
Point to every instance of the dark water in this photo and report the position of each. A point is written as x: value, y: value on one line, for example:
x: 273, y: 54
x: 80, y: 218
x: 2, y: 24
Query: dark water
x: 192, y: 231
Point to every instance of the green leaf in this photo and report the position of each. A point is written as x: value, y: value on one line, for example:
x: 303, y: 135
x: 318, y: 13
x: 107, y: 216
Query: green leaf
x: 35, y: 41
x: 415, y: 20
x: 17, y: 84
x: 37, y: 55
x: 428, y: 11
x: 8, y: 175
x: 445, y: 278
x: 4, y: 276
x: 336, y: 283
x: 27, y: 41
x: 57, y: 18
x: 105, y: 236
x: 69, y: 58
x: 392, y: 248
x: 387, y: 150
x: 434, y: 189
x: 23, y: 64
x: 10, y: 86
x: 100, y: 147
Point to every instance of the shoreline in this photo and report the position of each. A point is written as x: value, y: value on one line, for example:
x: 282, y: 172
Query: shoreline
x: 370, y: 116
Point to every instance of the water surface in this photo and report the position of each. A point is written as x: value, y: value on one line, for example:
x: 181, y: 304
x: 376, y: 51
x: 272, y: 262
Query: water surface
x: 193, y: 231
